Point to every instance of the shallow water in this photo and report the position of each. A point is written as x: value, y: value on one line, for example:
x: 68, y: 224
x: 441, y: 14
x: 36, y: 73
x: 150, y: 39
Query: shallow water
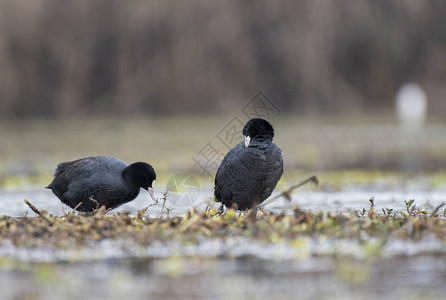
x: 241, y: 278
x: 342, y: 201
x: 236, y: 268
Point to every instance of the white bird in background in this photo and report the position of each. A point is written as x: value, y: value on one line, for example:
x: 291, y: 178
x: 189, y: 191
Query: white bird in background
x: 411, y: 106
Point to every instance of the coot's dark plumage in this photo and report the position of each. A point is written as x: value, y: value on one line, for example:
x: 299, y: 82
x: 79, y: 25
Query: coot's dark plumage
x: 250, y: 171
x: 107, y: 180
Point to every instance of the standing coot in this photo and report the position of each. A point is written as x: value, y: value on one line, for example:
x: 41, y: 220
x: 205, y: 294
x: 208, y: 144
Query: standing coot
x: 250, y: 171
x: 105, y: 179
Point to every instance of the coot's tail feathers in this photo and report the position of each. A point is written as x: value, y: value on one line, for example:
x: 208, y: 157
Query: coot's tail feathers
x: 58, y: 182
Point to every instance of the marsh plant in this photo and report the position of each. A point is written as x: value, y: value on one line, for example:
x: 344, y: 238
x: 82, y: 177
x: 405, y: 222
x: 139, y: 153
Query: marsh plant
x: 81, y: 229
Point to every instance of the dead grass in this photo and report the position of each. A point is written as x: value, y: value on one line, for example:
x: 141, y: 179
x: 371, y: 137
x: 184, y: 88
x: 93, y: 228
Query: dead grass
x: 79, y: 229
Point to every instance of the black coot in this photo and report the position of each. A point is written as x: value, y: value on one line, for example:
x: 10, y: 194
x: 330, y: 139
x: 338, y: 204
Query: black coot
x: 250, y: 171
x: 107, y: 180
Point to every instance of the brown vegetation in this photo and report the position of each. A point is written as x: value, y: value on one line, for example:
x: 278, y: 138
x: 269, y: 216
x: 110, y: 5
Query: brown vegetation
x: 60, y: 58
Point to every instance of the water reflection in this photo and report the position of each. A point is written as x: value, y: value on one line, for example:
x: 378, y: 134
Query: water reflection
x: 225, y: 278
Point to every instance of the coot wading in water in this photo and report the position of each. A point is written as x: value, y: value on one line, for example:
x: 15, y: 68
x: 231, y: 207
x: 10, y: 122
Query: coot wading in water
x: 89, y: 183
x: 250, y: 171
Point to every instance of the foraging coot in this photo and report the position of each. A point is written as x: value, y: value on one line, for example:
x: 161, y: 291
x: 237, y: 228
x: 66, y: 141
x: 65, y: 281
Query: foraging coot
x: 89, y: 183
x: 250, y: 171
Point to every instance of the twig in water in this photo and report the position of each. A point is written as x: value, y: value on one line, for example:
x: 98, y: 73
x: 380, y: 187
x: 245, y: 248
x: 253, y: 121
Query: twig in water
x: 165, y: 194
x: 77, y: 206
x: 435, y: 212
x: 287, y: 192
x: 93, y: 200
x: 168, y: 211
x: 220, y: 210
x: 99, y: 208
x: 143, y: 211
x: 264, y: 212
x: 34, y: 209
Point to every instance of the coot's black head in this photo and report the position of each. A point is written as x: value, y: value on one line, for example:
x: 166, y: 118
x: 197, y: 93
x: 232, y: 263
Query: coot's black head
x: 140, y: 174
x: 258, y: 128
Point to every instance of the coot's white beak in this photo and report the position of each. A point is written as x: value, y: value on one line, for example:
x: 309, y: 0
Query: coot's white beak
x: 151, y: 192
x: 247, y: 140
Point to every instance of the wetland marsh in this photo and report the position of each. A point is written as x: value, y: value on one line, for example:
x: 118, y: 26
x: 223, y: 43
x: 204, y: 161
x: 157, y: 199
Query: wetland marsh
x: 357, y: 235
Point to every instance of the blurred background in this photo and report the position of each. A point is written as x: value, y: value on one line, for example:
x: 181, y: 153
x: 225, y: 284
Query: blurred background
x: 65, y: 59
x: 354, y: 89
x: 158, y: 80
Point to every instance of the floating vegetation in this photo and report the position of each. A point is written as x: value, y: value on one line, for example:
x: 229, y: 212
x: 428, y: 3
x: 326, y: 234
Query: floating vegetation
x: 367, y: 230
